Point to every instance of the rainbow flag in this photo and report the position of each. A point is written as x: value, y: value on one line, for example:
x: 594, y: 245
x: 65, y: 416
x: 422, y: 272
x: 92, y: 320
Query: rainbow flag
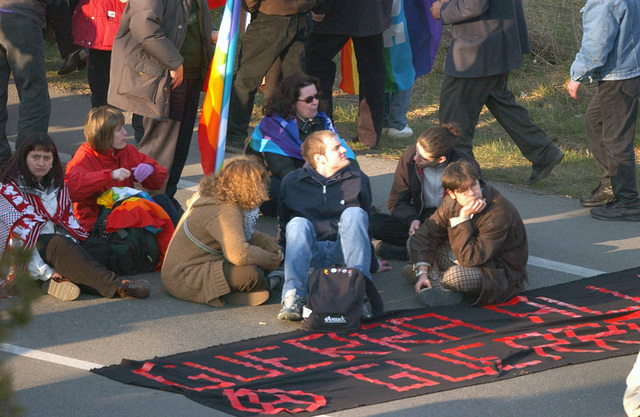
x: 212, y: 130
x: 414, y: 35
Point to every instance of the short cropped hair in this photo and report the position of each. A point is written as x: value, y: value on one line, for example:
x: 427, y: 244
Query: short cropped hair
x: 439, y: 140
x: 100, y: 125
x: 315, y: 144
x: 458, y: 174
x: 243, y: 181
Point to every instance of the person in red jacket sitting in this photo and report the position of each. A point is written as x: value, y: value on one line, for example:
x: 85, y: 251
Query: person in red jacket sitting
x: 106, y: 160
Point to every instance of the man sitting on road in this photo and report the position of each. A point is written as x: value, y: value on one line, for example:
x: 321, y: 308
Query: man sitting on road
x: 417, y: 189
x: 322, y: 218
x: 485, y: 258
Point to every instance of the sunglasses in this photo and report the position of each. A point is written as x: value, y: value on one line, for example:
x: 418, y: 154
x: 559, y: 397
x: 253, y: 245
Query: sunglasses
x: 310, y: 99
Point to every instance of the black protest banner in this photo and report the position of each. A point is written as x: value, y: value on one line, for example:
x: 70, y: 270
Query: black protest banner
x: 407, y: 353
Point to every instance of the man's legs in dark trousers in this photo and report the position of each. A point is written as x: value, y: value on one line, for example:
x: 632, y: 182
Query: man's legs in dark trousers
x: 22, y: 52
x: 192, y: 101
x: 320, y: 51
x: 98, y: 68
x: 369, y: 54
x: 61, y: 15
x: 389, y: 229
x: 76, y: 265
x: 533, y: 142
x: 461, y: 100
x: 5, y: 73
x: 611, y: 125
x: 267, y: 38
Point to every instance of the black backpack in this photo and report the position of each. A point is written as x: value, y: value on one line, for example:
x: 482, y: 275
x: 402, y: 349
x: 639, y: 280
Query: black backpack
x: 335, y: 299
x: 132, y: 250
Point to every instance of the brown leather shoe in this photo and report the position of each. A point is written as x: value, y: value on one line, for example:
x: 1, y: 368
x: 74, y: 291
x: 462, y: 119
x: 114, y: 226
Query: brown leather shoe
x: 134, y: 289
x: 600, y: 196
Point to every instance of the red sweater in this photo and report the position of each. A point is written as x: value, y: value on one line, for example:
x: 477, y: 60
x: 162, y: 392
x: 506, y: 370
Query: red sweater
x: 89, y: 175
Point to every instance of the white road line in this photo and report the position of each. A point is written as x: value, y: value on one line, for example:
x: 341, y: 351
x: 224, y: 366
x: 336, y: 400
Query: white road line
x: 49, y: 357
x: 562, y: 267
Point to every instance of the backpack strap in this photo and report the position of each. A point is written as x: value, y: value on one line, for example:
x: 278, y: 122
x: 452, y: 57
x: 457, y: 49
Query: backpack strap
x: 191, y: 236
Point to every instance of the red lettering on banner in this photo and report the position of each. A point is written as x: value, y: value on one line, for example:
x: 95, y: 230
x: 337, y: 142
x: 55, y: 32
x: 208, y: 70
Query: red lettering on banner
x: 594, y: 338
x: 353, y: 371
x: 270, y: 373
x: 554, y: 343
x: 624, y: 319
x: 436, y: 330
x: 615, y: 294
x: 344, y: 350
x: 534, y: 316
x: 487, y: 360
x: 145, y: 371
x: 277, y: 362
x: 262, y: 401
x: 401, y: 336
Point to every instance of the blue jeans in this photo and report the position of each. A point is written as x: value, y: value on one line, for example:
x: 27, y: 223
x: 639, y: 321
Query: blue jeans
x: 395, y: 109
x: 304, y: 251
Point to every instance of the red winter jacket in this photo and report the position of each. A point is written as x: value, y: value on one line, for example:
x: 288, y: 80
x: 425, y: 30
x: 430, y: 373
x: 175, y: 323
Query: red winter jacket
x: 95, y: 23
x: 89, y: 175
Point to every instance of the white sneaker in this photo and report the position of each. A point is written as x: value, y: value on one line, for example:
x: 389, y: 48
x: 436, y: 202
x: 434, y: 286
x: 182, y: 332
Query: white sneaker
x: 394, y: 133
x: 385, y: 131
x: 291, y: 307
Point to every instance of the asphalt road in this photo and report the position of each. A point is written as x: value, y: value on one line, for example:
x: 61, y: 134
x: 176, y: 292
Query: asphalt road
x: 64, y: 339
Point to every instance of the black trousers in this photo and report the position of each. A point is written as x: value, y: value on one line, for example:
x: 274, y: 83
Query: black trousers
x: 389, y: 229
x: 461, y: 101
x: 611, y: 126
x: 320, y: 51
x: 74, y: 263
x: 98, y: 68
x: 267, y: 39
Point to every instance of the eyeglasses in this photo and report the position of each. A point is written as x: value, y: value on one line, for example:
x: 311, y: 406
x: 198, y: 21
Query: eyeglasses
x: 310, y: 99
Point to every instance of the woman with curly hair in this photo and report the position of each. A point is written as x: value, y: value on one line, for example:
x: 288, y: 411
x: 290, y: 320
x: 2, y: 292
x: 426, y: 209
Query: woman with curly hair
x: 216, y: 255
x: 290, y: 117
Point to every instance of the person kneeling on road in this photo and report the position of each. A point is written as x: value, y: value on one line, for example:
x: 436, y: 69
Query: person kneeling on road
x: 485, y: 258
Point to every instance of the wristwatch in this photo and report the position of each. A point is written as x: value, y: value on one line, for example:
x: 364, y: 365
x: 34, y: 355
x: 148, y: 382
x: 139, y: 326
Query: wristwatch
x: 418, y: 273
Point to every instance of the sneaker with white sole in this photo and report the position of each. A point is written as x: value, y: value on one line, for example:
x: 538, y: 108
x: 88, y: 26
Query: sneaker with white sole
x: 291, y: 307
x: 394, y: 133
x: 62, y: 289
x: 438, y: 296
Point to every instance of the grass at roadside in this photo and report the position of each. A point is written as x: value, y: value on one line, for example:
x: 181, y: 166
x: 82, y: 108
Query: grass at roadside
x: 539, y: 86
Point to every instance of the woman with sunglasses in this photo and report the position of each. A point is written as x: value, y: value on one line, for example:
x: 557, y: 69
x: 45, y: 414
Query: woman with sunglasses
x: 290, y: 117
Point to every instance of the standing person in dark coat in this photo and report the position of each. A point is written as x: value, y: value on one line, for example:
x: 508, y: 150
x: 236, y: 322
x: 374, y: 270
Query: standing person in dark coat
x: 488, y: 40
x: 22, y: 53
x: 473, y: 247
x: 363, y: 21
